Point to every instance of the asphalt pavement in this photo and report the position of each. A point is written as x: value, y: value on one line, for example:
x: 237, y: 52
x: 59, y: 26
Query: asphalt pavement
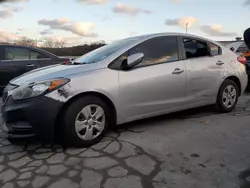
x: 193, y: 149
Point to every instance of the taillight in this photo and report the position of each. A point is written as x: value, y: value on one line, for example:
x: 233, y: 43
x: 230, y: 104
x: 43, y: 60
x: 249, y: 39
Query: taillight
x: 242, y: 60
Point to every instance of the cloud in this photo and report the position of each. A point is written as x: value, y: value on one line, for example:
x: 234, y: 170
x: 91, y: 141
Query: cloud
x: 147, y: 11
x: 20, y: 29
x: 120, y: 8
x: 8, y: 13
x: 79, y: 28
x: 174, y: 1
x: 6, y: 36
x: 216, y: 30
x: 247, y: 2
x: 181, y: 21
x: 12, y: 1
x: 46, y: 32
x: 93, y: 2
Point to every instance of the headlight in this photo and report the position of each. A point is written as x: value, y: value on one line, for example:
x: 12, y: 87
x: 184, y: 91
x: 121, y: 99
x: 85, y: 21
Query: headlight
x: 36, y: 89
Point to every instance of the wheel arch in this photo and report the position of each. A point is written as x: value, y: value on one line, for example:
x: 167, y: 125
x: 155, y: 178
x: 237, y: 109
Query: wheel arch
x: 91, y: 93
x: 237, y: 81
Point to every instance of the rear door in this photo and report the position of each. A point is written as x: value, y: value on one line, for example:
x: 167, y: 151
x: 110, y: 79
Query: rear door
x: 15, y: 62
x: 45, y: 59
x: 205, y: 68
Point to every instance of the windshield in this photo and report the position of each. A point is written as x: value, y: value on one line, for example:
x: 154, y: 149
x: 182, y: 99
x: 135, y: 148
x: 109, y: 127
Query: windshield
x: 102, y: 52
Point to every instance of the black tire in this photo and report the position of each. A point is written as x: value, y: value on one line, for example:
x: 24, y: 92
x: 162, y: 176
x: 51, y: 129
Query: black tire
x: 220, y: 107
x: 70, y: 137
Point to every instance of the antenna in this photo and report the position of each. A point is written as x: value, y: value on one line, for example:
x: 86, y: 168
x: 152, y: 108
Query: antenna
x: 186, y: 27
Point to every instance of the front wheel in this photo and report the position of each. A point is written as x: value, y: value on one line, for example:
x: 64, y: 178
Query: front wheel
x: 228, y: 96
x: 85, y: 122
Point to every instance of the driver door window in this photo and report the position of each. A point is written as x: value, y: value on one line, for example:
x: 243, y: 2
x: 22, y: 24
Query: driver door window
x: 16, y: 53
x: 157, y: 50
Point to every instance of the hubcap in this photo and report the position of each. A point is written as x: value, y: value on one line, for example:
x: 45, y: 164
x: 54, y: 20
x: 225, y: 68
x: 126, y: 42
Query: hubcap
x: 90, y: 122
x: 229, y: 96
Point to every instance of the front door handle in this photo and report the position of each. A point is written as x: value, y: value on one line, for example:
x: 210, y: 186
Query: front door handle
x: 219, y: 63
x: 177, y: 71
x: 30, y: 65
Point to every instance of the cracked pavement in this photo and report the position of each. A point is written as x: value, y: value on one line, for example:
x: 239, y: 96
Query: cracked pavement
x: 197, y: 148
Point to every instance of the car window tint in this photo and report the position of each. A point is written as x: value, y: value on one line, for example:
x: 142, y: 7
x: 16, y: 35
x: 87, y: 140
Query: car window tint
x: 14, y: 53
x: 195, y: 48
x: 36, y: 55
x: 157, y: 50
x: 214, y: 49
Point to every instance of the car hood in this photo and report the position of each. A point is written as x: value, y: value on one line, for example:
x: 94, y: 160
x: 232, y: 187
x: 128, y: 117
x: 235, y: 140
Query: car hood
x: 53, y: 71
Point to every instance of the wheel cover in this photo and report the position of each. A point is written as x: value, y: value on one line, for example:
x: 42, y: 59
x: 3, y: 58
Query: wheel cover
x: 229, y: 96
x: 90, y: 122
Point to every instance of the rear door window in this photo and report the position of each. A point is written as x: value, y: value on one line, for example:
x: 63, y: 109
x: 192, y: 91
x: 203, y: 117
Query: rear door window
x: 36, y: 55
x: 195, y: 48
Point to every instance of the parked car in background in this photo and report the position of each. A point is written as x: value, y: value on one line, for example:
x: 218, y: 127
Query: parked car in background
x: 238, y: 47
x: 16, y: 60
x: 241, y: 48
x: 127, y: 80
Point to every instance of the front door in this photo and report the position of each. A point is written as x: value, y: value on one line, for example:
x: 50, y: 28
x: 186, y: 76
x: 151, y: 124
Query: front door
x: 15, y: 62
x: 158, y: 83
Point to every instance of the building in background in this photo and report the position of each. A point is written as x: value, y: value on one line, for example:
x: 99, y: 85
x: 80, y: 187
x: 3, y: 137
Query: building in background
x: 237, y: 39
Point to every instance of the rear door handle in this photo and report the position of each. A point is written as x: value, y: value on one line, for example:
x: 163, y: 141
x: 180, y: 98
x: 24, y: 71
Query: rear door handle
x: 30, y: 65
x: 177, y: 71
x: 219, y: 63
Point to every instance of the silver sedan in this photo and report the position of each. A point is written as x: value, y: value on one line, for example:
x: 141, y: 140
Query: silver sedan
x: 127, y: 80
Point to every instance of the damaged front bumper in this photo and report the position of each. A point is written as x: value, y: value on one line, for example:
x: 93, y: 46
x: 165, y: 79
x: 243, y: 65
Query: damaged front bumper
x: 30, y: 118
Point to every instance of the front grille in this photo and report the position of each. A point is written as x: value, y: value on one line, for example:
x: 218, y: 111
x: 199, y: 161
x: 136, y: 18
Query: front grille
x: 8, y: 88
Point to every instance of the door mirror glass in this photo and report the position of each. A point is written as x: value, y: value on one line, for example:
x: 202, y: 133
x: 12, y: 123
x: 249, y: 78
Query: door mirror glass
x: 134, y: 59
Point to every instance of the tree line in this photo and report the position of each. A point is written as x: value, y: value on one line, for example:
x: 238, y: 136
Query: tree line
x: 74, y: 50
x: 59, y: 47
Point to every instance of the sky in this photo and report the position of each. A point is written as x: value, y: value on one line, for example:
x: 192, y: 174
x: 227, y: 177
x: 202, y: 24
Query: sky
x: 86, y: 21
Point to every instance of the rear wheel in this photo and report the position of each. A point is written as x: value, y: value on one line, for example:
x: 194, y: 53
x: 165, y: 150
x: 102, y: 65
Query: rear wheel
x: 85, y: 122
x: 228, y: 96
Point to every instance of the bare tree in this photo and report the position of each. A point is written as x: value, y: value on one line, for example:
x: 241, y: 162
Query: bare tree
x: 24, y: 41
x: 49, y: 44
x: 60, y: 43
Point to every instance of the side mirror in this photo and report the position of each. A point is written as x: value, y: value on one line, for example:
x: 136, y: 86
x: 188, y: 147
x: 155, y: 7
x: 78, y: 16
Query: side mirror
x: 134, y: 59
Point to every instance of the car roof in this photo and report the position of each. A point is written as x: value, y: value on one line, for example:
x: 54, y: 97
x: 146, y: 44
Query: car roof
x: 15, y: 45
x: 153, y: 35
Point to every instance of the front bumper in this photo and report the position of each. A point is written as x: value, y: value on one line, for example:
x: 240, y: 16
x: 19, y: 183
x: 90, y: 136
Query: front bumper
x: 30, y: 118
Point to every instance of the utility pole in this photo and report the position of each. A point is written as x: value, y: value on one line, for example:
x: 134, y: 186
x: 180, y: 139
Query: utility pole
x: 186, y: 27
